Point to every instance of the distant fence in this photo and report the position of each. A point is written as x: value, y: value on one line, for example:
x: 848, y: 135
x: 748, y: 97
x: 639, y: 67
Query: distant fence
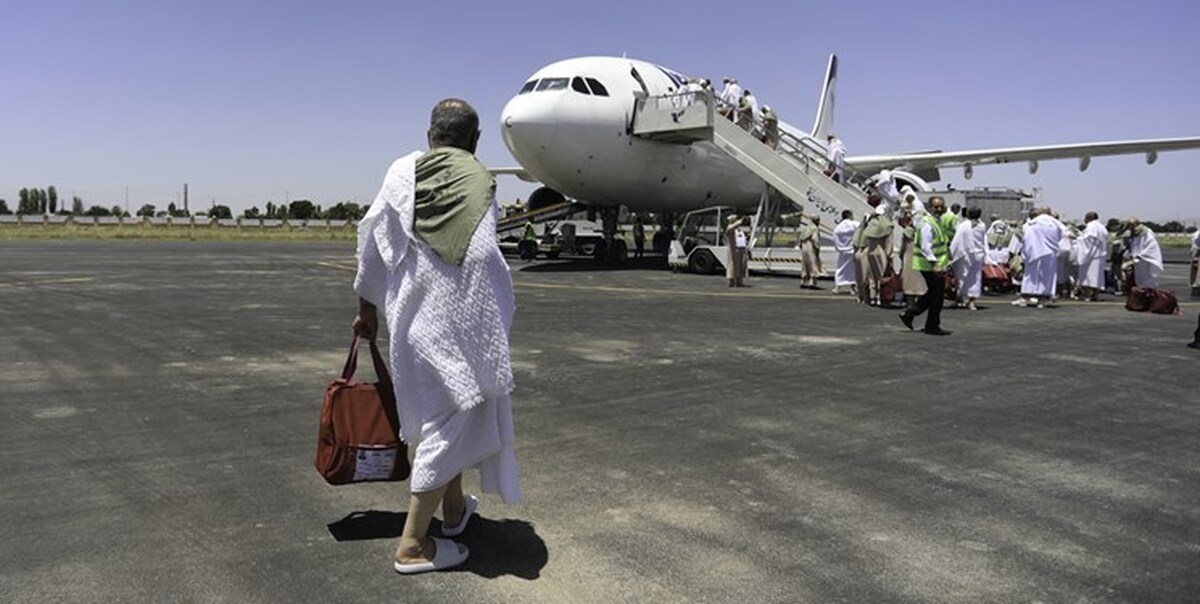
x: 167, y: 221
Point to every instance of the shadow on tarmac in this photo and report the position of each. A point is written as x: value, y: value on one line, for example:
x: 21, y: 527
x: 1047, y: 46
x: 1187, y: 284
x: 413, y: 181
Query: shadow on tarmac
x: 498, y: 547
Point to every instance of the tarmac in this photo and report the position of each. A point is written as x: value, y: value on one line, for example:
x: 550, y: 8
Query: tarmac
x: 679, y: 441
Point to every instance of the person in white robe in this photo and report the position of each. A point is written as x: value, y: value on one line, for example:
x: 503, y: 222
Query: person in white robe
x: 967, y: 253
x: 1196, y: 265
x: 836, y: 154
x: 731, y: 95
x: 429, y: 260
x: 846, y: 274
x: 1093, y: 255
x: 1039, y: 255
x: 1145, y: 254
x: 999, y: 235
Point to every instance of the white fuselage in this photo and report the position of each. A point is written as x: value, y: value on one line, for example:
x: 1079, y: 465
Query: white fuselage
x: 577, y: 141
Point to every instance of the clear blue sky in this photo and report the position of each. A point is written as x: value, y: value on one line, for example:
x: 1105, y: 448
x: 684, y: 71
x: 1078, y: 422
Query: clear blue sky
x: 252, y: 101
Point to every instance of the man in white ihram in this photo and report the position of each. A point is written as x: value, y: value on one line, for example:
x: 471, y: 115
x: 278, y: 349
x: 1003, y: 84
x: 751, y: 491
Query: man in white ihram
x: 968, y: 249
x: 1039, y: 253
x: 836, y: 155
x: 1145, y: 254
x: 1093, y: 255
x: 429, y: 259
x: 843, y: 241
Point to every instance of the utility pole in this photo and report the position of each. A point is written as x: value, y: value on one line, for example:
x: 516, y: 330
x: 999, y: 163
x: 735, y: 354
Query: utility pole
x: 126, y: 200
x: 185, y: 199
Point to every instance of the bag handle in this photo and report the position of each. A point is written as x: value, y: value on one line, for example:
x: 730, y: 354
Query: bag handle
x: 387, y: 392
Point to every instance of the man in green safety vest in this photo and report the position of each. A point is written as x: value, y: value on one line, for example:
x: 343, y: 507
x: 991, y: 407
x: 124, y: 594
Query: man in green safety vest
x: 931, y: 256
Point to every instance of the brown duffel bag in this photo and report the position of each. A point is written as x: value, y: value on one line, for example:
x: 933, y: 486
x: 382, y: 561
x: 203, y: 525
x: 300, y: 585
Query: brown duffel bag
x: 1163, y: 302
x: 891, y: 289
x: 1137, y: 300
x: 358, y: 438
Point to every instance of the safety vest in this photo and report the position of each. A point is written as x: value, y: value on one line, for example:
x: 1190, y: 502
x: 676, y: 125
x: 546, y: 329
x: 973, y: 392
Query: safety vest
x: 941, y: 245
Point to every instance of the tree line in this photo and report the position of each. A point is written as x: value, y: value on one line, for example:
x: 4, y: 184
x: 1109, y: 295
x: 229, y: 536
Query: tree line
x: 39, y: 202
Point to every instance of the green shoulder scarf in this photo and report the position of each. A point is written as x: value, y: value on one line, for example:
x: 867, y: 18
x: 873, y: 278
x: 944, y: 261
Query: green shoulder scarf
x: 452, y: 192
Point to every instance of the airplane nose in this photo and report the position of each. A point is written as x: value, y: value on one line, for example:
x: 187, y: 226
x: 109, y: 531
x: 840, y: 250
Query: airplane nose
x: 528, y: 126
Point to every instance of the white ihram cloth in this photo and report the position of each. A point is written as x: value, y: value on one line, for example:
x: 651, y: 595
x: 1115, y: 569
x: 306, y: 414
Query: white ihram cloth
x: 843, y: 242
x: 837, y: 156
x: 449, y: 329
x: 968, y: 250
x: 1147, y: 259
x: 1093, y: 254
x: 1039, y: 252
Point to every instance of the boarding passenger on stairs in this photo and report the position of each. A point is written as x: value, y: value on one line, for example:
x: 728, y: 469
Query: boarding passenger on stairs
x: 731, y: 95
x: 968, y: 251
x: 931, y: 257
x: 843, y: 241
x: 836, y: 154
x: 770, y: 131
x: 1039, y: 255
x: 737, y: 244
x: 1093, y: 253
x: 429, y: 261
x: 1145, y: 255
x: 745, y: 112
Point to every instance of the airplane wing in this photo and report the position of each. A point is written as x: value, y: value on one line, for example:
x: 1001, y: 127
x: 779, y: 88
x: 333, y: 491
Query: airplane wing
x: 517, y: 171
x: 929, y: 162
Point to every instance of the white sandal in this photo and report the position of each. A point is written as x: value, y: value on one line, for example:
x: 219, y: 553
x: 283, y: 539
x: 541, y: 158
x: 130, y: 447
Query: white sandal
x: 448, y: 555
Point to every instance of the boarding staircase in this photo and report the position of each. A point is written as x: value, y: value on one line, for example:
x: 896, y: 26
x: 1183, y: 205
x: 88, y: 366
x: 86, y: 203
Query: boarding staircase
x: 796, y: 168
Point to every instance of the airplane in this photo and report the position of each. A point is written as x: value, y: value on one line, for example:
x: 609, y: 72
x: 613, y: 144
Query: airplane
x: 570, y: 128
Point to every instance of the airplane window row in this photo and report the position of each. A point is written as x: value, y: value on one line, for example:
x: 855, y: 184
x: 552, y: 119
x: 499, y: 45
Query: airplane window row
x: 581, y: 85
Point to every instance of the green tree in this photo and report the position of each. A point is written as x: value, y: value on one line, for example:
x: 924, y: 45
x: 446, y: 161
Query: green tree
x: 23, y: 201
x: 220, y: 211
x: 117, y: 211
x: 301, y: 209
x: 4, y: 207
x: 346, y: 210
x: 76, y: 206
x: 97, y: 211
x: 253, y: 212
x: 1173, y: 226
x: 53, y: 194
x: 146, y: 210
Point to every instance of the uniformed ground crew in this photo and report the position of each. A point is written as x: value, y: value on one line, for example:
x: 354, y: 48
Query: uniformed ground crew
x: 639, y: 237
x: 931, y: 256
x: 528, y: 246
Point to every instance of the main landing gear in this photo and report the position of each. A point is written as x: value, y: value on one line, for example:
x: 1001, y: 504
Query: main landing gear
x: 612, y: 249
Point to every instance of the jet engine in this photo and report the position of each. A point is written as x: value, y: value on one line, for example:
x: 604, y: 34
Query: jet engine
x: 543, y: 197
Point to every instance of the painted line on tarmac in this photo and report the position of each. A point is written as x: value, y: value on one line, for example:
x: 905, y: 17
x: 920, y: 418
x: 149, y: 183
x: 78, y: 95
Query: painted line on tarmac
x: 686, y: 292
x: 48, y: 282
x: 341, y: 267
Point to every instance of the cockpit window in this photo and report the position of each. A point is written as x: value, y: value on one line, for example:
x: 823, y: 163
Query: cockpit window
x: 552, y: 84
x: 578, y: 86
x: 528, y: 86
x: 598, y: 89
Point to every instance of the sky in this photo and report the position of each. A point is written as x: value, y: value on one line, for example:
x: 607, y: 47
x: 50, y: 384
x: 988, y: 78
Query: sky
x: 250, y: 102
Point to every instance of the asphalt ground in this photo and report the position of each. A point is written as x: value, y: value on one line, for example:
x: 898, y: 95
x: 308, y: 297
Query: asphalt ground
x: 680, y: 441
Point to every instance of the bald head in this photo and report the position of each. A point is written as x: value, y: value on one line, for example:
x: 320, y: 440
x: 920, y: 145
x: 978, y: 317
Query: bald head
x: 454, y: 123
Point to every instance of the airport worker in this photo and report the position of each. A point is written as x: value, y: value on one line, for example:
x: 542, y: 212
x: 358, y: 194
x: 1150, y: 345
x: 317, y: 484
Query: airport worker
x: 1093, y: 253
x: 877, y: 228
x: 1039, y: 255
x: 1145, y: 254
x: 807, y: 241
x: 967, y: 252
x: 770, y: 134
x: 950, y: 219
x: 639, y: 237
x: 846, y: 274
x: 429, y: 261
x: 737, y: 243
x: 529, y: 243
x: 931, y: 257
x: 836, y: 154
x: 731, y: 96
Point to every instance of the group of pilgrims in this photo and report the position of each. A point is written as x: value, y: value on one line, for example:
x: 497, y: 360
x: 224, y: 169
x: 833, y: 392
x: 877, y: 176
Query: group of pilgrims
x: 739, y: 106
x: 1043, y: 258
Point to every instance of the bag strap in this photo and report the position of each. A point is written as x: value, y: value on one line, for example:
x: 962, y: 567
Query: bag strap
x: 387, y: 393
